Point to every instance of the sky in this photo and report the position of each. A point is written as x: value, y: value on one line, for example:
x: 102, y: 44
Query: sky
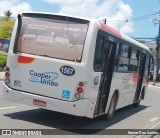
x: 120, y: 14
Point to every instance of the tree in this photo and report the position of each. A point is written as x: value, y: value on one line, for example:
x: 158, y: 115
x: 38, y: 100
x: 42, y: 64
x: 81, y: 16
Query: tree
x: 6, y: 25
x: 6, y: 29
x: 141, y: 41
x: 7, y: 15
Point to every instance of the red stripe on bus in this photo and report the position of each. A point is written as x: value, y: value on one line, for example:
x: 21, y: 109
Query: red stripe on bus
x: 110, y: 30
x: 25, y: 60
x: 135, y: 78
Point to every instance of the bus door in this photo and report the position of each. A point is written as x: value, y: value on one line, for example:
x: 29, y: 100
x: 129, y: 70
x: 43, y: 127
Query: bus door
x: 140, y: 78
x: 109, y: 50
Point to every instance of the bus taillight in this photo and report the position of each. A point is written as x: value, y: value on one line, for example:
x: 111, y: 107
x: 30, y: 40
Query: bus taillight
x: 77, y: 96
x: 7, y: 68
x: 79, y: 90
x: 81, y: 84
x: 7, y: 75
x: 7, y: 80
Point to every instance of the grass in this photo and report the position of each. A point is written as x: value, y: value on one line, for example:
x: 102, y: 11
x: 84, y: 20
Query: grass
x: 3, y: 60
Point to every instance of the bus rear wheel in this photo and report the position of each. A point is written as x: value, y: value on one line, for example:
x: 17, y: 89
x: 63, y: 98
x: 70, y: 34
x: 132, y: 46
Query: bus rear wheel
x: 112, y: 107
x: 141, y: 97
x: 136, y: 104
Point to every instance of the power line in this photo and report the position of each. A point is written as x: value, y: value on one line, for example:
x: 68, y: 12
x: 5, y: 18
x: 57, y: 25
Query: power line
x: 136, y: 19
x: 144, y: 17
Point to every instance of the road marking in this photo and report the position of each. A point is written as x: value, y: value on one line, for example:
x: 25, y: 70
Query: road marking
x: 5, y: 108
x: 154, y: 119
x: 155, y: 126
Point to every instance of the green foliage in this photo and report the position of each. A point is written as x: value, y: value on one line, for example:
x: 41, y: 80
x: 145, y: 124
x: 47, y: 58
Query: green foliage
x: 3, y: 60
x: 141, y: 41
x: 6, y: 25
x: 4, y: 49
x: 7, y: 15
x: 6, y: 28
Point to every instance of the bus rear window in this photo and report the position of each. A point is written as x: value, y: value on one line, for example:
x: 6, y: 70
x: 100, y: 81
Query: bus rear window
x: 62, y: 39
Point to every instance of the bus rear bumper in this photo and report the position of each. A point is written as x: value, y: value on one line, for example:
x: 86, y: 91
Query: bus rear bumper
x: 77, y: 108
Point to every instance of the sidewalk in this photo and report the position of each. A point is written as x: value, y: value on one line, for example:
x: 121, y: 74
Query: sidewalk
x: 2, y: 76
x: 157, y: 83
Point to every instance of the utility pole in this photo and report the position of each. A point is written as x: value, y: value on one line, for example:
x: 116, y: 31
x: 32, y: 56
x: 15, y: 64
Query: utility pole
x: 157, y: 60
x: 158, y: 48
x: 105, y: 21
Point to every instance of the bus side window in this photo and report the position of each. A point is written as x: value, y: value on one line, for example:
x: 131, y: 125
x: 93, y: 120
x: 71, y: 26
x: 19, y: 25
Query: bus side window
x: 117, y: 56
x: 98, y: 53
x: 133, y: 65
x: 137, y: 54
x: 123, y: 59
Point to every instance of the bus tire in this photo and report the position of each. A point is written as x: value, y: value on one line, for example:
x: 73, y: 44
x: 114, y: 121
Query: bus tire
x: 143, y: 93
x: 112, y: 107
x: 141, y: 97
x: 136, y: 104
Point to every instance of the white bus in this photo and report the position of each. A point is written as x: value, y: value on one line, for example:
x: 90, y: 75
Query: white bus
x: 74, y: 65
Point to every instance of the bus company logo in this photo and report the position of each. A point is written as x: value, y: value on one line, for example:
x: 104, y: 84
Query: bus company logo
x: 47, y: 78
x: 67, y: 70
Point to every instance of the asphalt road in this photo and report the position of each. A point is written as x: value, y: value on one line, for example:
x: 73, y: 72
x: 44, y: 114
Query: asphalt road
x: 18, y: 116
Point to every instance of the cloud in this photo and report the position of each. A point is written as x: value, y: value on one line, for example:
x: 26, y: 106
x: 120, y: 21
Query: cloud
x: 15, y: 6
x: 65, y: 2
x: 115, y: 11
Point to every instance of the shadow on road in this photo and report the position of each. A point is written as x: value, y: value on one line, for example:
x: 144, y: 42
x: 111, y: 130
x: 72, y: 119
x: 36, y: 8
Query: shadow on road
x: 73, y: 124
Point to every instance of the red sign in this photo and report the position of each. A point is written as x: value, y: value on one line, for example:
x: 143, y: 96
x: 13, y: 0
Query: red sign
x: 39, y: 103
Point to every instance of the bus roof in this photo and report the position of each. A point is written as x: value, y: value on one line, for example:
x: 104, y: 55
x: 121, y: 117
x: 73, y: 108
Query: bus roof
x: 123, y: 36
x: 60, y: 14
x: 134, y: 42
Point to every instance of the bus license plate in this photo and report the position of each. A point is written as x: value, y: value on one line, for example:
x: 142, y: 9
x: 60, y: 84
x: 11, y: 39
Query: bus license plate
x: 39, y: 103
